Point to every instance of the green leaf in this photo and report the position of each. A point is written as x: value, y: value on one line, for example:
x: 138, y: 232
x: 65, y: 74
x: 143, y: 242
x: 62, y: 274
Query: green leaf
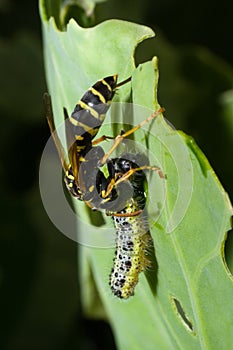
x: 192, y: 297
x: 77, y: 58
x: 186, y: 302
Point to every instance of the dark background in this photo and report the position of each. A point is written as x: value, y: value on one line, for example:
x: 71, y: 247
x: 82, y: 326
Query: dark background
x: 39, y: 292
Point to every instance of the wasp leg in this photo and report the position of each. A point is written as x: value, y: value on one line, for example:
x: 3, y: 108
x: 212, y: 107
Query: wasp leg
x: 102, y: 138
x: 121, y: 137
x: 105, y: 137
x: 130, y: 173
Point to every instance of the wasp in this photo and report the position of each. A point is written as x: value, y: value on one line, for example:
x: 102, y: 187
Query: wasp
x: 82, y: 126
x: 121, y: 193
x: 82, y: 176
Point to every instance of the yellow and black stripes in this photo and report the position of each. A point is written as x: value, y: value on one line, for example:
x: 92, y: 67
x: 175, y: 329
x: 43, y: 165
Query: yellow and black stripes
x: 83, y: 125
x: 71, y: 184
x: 121, y: 193
x: 90, y: 111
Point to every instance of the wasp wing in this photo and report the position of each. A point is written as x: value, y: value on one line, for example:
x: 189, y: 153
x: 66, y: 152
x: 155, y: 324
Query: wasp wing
x: 50, y: 119
x: 71, y: 144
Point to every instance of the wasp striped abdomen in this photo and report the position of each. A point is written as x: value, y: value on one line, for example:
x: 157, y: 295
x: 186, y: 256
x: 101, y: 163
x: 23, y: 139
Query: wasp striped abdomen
x: 82, y: 127
x: 90, y: 111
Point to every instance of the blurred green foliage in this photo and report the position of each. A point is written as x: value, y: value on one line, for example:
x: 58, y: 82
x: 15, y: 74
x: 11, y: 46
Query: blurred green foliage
x: 38, y: 284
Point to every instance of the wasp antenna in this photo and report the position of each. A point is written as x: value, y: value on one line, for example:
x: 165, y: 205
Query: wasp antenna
x: 124, y: 82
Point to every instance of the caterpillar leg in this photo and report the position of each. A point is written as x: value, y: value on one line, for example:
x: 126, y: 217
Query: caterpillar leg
x: 124, y: 215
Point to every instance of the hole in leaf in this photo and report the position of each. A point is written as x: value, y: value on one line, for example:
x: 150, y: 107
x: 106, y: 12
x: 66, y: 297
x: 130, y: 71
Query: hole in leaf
x: 228, y: 252
x: 181, y: 314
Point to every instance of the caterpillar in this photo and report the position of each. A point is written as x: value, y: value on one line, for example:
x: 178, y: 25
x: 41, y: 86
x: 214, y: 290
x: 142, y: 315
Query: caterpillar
x: 131, y: 223
x: 130, y: 260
